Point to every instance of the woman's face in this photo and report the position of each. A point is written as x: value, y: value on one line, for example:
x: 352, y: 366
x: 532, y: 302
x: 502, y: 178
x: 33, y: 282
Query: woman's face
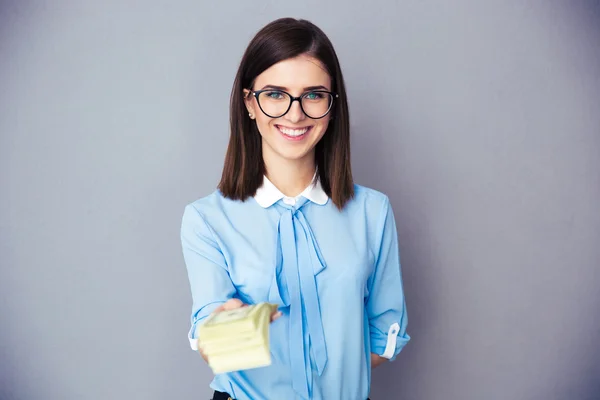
x: 292, y: 136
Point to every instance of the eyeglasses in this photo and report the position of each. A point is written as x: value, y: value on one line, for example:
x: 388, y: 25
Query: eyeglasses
x: 276, y: 103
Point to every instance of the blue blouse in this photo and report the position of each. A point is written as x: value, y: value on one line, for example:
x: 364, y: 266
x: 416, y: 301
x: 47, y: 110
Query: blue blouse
x: 335, y: 274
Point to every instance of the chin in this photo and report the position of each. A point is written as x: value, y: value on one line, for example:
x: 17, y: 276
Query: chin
x: 293, y: 156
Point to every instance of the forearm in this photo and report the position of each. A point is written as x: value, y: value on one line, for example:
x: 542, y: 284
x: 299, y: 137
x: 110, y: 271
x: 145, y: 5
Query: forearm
x: 376, y: 360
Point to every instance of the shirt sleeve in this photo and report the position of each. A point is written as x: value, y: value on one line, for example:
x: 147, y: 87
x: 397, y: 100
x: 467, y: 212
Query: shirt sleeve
x: 209, y: 278
x: 386, y: 305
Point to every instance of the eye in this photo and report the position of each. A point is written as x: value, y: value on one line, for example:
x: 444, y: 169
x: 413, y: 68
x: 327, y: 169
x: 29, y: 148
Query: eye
x: 274, y: 95
x: 314, y: 96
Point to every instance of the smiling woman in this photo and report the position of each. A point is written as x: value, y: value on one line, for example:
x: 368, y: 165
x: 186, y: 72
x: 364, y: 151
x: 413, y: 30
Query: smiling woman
x: 288, y: 226
x: 287, y: 76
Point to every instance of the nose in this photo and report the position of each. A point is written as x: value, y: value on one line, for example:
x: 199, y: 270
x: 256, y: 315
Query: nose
x: 295, y: 114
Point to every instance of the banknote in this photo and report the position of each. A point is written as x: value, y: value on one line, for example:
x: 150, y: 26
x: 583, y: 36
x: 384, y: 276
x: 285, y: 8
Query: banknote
x: 238, y: 339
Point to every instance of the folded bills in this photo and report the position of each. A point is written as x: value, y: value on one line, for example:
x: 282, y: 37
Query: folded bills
x: 238, y: 339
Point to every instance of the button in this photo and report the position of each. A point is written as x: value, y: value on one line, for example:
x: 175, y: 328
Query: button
x: 289, y: 201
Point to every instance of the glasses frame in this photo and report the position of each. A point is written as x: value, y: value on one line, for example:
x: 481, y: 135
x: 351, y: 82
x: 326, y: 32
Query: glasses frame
x: 256, y: 93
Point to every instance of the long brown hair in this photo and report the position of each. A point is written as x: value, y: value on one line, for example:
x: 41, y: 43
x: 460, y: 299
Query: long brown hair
x: 244, y: 167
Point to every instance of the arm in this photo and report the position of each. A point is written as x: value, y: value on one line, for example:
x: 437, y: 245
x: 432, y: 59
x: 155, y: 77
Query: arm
x: 386, y: 306
x: 210, y: 283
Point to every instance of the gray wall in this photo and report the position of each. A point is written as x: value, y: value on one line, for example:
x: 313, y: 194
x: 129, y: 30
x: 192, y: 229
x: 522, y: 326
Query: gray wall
x: 480, y: 119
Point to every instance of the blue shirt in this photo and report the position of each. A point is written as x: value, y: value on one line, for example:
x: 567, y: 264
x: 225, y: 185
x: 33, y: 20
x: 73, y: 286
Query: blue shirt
x: 335, y: 274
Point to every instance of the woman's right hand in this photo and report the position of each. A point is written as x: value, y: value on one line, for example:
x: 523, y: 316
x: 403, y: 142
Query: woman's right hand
x: 232, y: 304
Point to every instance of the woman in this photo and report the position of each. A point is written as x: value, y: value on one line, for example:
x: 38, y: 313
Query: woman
x: 287, y: 225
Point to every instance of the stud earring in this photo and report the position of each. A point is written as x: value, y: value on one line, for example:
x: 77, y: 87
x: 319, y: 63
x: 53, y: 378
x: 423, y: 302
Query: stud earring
x: 251, y: 115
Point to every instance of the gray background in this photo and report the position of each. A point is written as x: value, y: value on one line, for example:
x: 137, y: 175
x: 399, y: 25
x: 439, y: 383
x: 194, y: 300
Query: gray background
x: 480, y: 119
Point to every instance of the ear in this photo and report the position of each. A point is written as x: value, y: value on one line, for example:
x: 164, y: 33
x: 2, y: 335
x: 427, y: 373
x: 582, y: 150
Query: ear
x: 249, y: 103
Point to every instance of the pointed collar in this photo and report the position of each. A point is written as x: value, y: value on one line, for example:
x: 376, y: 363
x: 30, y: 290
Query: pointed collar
x: 268, y: 194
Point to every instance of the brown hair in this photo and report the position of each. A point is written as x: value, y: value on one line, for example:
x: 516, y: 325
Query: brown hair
x: 244, y: 166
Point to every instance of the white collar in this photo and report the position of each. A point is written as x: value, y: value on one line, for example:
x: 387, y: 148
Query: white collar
x: 268, y: 194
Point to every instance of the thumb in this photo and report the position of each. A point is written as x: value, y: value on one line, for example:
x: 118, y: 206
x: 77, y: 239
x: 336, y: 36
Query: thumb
x: 231, y: 304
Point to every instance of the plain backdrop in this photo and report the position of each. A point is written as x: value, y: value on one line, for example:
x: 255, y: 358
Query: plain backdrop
x: 480, y: 120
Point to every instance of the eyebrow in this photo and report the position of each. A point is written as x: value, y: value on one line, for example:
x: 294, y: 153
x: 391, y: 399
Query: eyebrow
x: 309, y: 88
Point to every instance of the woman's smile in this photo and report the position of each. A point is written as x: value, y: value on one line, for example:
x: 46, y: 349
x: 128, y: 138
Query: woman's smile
x: 293, y: 134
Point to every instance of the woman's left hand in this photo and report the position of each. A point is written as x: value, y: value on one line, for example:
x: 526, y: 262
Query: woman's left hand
x: 377, y: 360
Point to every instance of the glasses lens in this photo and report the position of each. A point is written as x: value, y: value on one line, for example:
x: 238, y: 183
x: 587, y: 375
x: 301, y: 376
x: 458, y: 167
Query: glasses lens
x: 316, y: 104
x: 273, y: 103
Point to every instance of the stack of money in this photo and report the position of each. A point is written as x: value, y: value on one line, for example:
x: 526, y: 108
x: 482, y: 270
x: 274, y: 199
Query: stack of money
x: 236, y: 340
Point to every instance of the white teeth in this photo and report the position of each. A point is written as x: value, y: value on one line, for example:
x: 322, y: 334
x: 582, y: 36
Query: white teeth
x: 293, y: 132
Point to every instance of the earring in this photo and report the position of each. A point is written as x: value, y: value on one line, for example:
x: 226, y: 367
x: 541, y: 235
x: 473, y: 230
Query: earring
x: 251, y: 115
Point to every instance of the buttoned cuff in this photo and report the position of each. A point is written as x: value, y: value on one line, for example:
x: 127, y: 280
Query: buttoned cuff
x: 193, y: 337
x: 388, y: 345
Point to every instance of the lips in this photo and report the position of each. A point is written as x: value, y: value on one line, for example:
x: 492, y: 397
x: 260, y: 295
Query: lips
x: 293, y: 133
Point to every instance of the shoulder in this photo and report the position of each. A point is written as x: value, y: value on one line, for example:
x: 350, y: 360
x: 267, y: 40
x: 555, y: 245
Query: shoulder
x: 216, y: 209
x: 211, y: 206
x: 370, y: 199
x: 207, y: 204
x: 374, y: 208
x: 369, y: 205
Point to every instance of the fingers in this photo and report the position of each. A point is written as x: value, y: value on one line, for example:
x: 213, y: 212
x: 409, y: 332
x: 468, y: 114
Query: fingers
x: 200, y: 350
x: 202, y: 354
x: 230, y: 304
x: 276, y: 315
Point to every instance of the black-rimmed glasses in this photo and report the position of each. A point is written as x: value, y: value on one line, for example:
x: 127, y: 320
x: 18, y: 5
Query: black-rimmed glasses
x: 315, y: 104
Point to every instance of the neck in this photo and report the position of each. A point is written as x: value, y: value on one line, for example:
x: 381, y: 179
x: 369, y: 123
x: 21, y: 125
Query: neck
x: 291, y: 177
